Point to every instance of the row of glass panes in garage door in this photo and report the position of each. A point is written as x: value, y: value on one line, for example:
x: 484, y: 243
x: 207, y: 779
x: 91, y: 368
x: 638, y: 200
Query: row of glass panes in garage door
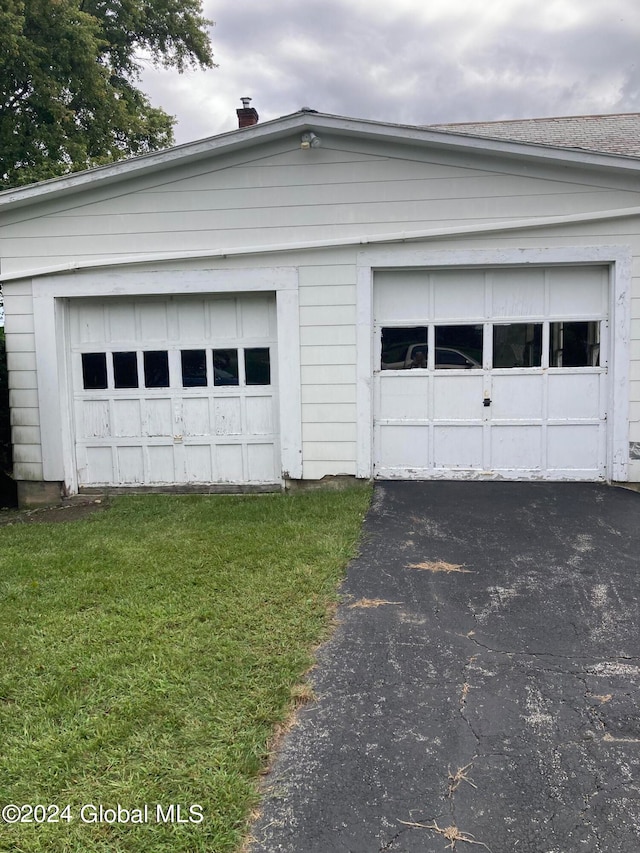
x: 571, y: 344
x: 196, y: 368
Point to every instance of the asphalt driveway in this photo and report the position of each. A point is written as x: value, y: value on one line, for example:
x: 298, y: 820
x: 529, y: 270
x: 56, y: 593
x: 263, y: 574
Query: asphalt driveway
x: 482, y: 690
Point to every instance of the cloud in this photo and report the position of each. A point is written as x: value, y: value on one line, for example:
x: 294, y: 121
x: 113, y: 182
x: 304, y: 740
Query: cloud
x: 409, y: 62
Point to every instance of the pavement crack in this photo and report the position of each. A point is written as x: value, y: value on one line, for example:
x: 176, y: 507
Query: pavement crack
x: 541, y: 655
x: 466, y: 687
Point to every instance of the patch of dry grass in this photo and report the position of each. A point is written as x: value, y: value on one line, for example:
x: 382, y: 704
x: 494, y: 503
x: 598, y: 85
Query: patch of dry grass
x: 440, y: 566
x: 460, y: 776
x: 451, y: 833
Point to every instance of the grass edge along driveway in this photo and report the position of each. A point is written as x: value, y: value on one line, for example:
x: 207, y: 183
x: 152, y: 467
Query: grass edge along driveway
x: 147, y: 652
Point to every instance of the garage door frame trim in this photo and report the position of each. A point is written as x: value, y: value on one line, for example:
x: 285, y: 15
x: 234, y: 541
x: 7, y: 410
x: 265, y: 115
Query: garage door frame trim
x: 50, y: 316
x: 617, y: 258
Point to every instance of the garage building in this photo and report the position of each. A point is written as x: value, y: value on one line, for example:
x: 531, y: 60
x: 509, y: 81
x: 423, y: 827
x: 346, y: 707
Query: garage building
x: 319, y: 296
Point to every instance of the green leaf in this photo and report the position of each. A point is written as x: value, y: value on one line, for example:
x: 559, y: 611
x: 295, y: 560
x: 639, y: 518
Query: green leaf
x: 68, y: 74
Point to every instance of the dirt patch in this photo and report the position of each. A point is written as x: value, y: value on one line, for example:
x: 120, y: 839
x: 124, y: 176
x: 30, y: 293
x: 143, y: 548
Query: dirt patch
x: 73, y: 511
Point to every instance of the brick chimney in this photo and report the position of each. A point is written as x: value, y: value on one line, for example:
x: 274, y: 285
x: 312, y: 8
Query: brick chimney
x: 247, y: 116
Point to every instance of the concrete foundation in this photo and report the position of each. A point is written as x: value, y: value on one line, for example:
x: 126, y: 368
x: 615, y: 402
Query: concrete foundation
x: 34, y: 493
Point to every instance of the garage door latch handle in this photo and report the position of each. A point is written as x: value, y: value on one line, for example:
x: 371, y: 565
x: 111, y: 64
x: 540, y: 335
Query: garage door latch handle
x: 486, y: 401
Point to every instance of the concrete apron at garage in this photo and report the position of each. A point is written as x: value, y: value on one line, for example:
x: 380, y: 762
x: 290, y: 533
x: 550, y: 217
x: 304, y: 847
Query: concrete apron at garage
x: 483, y: 683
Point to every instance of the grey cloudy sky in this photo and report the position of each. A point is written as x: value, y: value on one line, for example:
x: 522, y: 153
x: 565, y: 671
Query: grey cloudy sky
x: 409, y: 61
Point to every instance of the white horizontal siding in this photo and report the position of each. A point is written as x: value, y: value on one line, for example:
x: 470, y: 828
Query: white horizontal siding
x: 335, y: 294
x: 18, y: 303
x: 328, y: 335
x: 313, y: 470
x: 20, y: 342
x: 328, y: 374
x: 257, y: 232
x: 318, y: 272
x: 328, y: 315
x: 318, y: 451
x: 19, y: 379
x: 19, y: 399
x: 285, y: 194
x: 328, y: 358
x: 27, y: 470
x: 23, y: 381
x: 27, y: 453
x: 26, y: 435
x: 319, y: 355
x: 634, y: 394
x: 124, y: 230
x: 328, y: 433
x: 18, y: 323
x: 21, y: 361
x: 320, y: 412
x: 322, y: 394
x: 25, y: 417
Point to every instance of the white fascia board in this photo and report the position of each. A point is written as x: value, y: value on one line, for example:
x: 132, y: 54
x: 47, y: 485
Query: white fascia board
x: 308, y: 120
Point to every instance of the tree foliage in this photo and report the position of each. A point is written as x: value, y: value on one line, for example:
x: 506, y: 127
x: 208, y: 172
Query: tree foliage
x: 69, y: 71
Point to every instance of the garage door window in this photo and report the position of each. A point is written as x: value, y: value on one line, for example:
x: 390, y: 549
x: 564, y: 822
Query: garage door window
x: 257, y: 367
x: 194, y: 368
x: 125, y: 370
x: 156, y: 369
x: 94, y: 370
x: 400, y: 345
x: 458, y: 347
x: 517, y: 345
x: 571, y: 344
x: 225, y: 367
x: 574, y: 344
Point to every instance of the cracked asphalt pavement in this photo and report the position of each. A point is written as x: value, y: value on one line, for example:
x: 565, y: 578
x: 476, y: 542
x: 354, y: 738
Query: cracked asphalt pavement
x: 482, y: 688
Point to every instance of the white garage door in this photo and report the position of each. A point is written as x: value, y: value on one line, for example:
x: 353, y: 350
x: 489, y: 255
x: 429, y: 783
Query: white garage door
x: 491, y: 373
x: 175, y: 390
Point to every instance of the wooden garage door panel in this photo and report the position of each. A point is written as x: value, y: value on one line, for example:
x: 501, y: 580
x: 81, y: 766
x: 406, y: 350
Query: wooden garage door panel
x: 540, y: 413
x: 222, y: 427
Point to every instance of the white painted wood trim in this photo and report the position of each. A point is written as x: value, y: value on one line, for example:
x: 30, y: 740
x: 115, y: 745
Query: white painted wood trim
x: 49, y: 399
x: 55, y: 399
x: 115, y: 261
x: 619, y: 354
x: 289, y: 381
x: 619, y: 260
x: 127, y: 282
x: 364, y: 371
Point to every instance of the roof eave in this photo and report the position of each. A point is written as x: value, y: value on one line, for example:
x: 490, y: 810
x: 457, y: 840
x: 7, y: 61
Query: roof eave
x: 301, y: 121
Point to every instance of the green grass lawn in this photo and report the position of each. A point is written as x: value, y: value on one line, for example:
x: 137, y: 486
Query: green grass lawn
x: 148, y: 651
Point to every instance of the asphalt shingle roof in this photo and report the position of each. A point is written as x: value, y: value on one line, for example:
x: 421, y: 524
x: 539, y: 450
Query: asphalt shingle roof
x: 610, y: 134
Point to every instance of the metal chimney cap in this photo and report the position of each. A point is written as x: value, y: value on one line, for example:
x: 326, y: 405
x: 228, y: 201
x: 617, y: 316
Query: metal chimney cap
x: 245, y: 102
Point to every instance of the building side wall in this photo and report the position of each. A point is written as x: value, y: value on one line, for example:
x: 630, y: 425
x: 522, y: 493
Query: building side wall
x: 23, y: 381
x: 285, y: 195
